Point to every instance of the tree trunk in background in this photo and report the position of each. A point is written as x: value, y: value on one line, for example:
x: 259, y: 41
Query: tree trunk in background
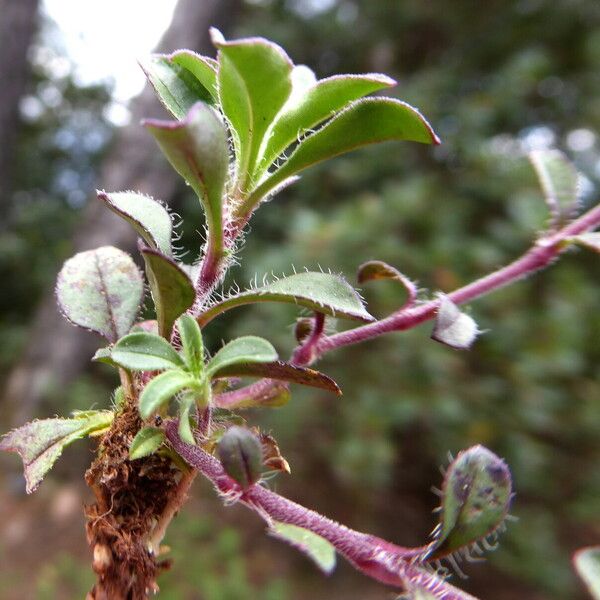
x: 58, y: 352
x: 18, y: 23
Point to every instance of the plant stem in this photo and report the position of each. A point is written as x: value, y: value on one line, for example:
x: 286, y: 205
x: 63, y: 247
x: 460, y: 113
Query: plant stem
x: 175, y: 502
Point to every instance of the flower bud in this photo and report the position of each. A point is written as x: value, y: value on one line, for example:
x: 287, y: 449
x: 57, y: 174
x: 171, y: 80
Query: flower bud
x: 240, y: 454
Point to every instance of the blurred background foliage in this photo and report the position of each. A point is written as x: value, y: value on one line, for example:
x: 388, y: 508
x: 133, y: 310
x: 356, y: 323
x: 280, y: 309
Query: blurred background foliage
x: 495, y: 79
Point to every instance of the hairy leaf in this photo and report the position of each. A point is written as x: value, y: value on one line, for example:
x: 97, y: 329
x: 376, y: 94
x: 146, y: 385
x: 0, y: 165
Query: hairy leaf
x: 587, y: 564
x: 316, y: 103
x: 476, y: 496
x: 161, y: 389
x: 101, y: 290
x: 272, y: 396
x: 187, y: 402
x: 453, y: 327
x: 177, y: 86
x: 321, y: 292
x: 246, y: 349
x: 172, y: 291
x: 203, y: 68
x: 40, y: 443
x: 318, y: 549
x: 282, y: 371
x: 254, y: 83
x: 367, y: 121
x: 141, y: 351
x: 197, y: 148
x: 147, y: 216
x: 559, y: 181
x: 377, y: 269
x: 192, y: 345
x: 146, y: 441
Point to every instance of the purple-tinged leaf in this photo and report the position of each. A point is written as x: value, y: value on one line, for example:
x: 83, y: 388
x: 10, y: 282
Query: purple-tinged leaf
x: 261, y: 394
x: 254, y: 83
x: 314, y: 103
x: 240, y: 454
x: 197, y: 149
x: 100, y: 290
x: 146, y: 441
x: 282, y: 371
x: 364, y: 122
x: 40, y: 443
x: 147, y: 216
x: 321, y: 292
x: 172, y: 291
x: 177, y: 85
x: 453, y: 327
x: 476, y: 496
x: 587, y: 565
x: 318, y: 549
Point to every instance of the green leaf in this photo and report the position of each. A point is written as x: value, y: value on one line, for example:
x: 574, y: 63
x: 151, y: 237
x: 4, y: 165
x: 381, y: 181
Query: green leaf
x: 367, y: 121
x: 321, y: 292
x: 254, y: 83
x: 147, y: 216
x: 282, y: 371
x: 177, y: 86
x: 240, y: 454
x: 318, y: 549
x: 587, y: 564
x: 476, y: 496
x: 104, y: 355
x: 172, y: 291
x: 559, y: 181
x: 187, y: 402
x: 40, y: 443
x: 192, y: 345
x: 247, y: 349
x: 161, y: 389
x: 141, y: 351
x: 100, y: 290
x: 146, y: 441
x: 203, y: 68
x: 314, y: 104
x: 453, y: 327
x: 590, y: 240
x: 197, y: 148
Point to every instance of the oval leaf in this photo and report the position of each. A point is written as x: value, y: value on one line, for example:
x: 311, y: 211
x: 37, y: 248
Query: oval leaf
x: 172, y: 290
x: 197, y: 148
x: 318, y: 549
x: 141, y: 351
x: 254, y: 83
x: 100, y: 290
x: 321, y: 292
x: 476, y: 496
x: 587, y: 563
x: 315, y: 104
x: 560, y: 183
x: 282, y: 371
x: 177, y: 87
x: 247, y: 349
x: 161, y: 389
x: 377, y: 269
x: 453, y: 327
x: 191, y: 342
x: 364, y: 122
x: 40, y: 443
x: 188, y: 401
x: 272, y: 396
x: 146, y: 441
x: 147, y: 216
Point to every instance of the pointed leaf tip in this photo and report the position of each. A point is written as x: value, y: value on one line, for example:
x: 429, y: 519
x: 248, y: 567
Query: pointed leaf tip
x: 476, y: 496
x: 315, y: 547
